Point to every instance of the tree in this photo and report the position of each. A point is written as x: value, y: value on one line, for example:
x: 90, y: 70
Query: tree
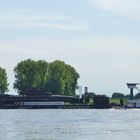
x: 62, y: 78
x: 41, y: 78
x: 137, y: 96
x: 56, y: 77
x: 71, y: 77
x: 127, y: 96
x: 3, y: 81
x: 117, y: 95
x: 91, y: 94
x: 25, y: 76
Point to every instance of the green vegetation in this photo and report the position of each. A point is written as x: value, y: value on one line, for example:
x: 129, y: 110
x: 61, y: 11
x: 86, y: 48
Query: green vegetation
x: 56, y: 77
x: 91, y: 94
x: 118, y: 95
x: 3, y: 81
x: 117, y: 100
x: 90, y: 97
x: 137, y: 96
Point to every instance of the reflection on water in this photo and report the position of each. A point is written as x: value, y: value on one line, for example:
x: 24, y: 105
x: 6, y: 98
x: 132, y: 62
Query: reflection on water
x: 69, y: 124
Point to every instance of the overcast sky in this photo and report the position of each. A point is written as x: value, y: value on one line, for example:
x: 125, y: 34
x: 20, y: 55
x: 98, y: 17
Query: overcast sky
x: 100, y: 38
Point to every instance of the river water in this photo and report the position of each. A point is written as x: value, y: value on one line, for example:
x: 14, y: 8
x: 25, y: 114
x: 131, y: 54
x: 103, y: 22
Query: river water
x: 69, y: 124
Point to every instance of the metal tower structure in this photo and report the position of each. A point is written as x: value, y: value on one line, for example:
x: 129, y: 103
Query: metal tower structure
x: 132, y: 86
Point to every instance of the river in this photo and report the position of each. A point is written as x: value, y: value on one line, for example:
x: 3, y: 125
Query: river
x: 69, y: 124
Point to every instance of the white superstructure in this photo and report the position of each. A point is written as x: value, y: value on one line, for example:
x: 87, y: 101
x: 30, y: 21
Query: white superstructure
x: 133, y: 104
x: 40, y: 103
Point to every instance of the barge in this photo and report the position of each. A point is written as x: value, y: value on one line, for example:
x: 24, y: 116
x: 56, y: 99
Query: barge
x: 37, y: 99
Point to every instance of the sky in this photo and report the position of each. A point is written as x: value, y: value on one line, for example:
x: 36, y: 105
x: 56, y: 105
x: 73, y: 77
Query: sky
x: 99, y: 38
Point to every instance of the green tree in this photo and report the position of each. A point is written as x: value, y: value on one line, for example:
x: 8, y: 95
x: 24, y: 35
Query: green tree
x: 91, y: 94
x: 71, y: 77
x: 118, y: 95
x: 41, y: 75
x: 127, y: 96
x: 3, y: 81
x: 25, y: 76
x: 62, y: 78
x: 137, y: 96
x: 56, y: 77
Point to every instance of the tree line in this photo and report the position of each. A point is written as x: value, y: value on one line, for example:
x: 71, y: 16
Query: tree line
x: 121, y: 95
x: 3, y: 81
x: 56, y: 77
x: 115, y: 95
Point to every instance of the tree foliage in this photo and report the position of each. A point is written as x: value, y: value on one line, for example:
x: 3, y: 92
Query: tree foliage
x: 91, y: 94
x: 137, y: 96
x: 56, y: 77
x: 3, y: 81
x: 118, y: 95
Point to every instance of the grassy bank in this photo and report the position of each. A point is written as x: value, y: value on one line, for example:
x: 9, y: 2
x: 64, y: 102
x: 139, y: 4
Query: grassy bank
x: 117, y: 100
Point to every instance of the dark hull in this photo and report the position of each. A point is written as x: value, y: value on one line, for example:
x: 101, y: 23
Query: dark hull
x: 48, y: 107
